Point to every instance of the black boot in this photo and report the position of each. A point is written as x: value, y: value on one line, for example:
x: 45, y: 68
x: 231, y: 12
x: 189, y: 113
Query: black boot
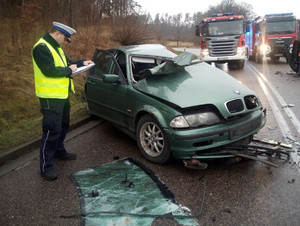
x: 68, y: 156
x: 49, y: 175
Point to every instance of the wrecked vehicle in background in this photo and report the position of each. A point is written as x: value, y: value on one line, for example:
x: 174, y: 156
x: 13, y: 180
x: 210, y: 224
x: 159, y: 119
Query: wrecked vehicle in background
x: 293, y: 56
x: 171, y: 105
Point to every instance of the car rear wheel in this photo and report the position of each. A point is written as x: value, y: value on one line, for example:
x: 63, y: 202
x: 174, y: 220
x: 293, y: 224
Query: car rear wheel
x: 152, y: 141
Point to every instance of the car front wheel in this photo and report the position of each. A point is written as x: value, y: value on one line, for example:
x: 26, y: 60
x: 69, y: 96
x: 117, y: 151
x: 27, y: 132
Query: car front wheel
x: 152, y: 141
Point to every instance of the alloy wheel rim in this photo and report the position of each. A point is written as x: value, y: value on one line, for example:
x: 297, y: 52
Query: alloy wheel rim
x: 152, y: 139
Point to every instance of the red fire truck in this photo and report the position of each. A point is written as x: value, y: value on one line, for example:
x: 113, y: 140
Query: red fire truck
x: 222, y: 39
x: 269, y: 36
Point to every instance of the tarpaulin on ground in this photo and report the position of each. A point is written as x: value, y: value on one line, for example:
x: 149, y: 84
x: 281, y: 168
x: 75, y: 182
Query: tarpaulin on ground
x: 125, y: 192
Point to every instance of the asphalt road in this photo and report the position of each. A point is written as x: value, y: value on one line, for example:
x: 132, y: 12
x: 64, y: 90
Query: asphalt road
x: 233, y: 192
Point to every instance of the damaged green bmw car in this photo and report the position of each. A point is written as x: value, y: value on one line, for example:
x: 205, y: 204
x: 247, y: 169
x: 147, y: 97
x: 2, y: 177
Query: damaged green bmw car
x: 171, y: 104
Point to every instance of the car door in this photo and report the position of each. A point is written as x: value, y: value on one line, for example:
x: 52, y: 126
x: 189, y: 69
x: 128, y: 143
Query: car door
x: 107, y: 99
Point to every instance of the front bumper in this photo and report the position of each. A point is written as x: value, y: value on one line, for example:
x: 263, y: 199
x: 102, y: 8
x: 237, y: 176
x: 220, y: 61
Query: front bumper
x: 207, y: 58
x: 187, y: 144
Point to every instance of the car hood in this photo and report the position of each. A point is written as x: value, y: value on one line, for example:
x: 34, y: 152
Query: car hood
x: 194, y: 85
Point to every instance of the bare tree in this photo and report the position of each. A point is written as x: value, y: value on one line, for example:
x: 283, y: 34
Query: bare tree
x: 178, y: 26
x: 130, y: 30
x: 231, y: 6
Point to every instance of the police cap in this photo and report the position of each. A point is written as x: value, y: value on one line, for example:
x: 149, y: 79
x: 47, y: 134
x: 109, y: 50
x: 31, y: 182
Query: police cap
x: 66, y: 30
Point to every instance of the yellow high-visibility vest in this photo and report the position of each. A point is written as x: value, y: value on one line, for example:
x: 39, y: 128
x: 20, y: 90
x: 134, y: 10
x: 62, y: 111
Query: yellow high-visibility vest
x: 47, y: 87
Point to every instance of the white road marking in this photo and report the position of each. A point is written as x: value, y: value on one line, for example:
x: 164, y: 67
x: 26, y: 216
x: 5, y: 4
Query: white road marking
x: 285, y: 130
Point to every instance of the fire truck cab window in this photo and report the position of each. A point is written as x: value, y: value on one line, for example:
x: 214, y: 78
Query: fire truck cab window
x: 223, y: 28
x: 281, y: 27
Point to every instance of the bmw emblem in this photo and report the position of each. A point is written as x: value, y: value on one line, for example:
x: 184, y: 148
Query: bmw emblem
x: 237, y: 92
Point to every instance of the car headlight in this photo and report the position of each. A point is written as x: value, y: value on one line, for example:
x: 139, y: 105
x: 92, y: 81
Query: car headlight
x: 179, y: 122
x: 195, y: 120
x: 265, y: 49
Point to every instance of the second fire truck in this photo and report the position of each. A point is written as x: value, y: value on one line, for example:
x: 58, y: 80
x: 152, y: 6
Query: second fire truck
x: 269, y: 36
x: 222, y: 39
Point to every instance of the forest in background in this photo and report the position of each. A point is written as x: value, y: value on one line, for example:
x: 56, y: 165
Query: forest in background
x: 99, y: 24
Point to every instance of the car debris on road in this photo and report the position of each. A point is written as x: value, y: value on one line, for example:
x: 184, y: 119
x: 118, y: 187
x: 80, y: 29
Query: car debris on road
x: 278, y: 151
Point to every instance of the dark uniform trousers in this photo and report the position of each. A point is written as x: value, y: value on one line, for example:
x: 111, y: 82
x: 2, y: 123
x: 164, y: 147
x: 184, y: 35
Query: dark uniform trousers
x: 56, y: 121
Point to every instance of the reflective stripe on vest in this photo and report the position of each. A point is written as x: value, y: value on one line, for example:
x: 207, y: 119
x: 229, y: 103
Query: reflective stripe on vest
x: 47, y: 87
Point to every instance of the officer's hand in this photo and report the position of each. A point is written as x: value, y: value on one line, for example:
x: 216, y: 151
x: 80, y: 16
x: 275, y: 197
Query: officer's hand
x: 87, y: 62
x: 73, y: 67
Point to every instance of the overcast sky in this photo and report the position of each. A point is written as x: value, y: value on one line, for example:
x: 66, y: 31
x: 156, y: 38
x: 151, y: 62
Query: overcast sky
x: 260, y: 7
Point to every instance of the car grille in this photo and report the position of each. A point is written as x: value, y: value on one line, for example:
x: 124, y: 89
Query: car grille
x: 222, y: 48
x: 235, y: 106
x: 280, y: 43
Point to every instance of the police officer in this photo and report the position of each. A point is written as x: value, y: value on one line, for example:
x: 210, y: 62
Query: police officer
x: 53, y: 81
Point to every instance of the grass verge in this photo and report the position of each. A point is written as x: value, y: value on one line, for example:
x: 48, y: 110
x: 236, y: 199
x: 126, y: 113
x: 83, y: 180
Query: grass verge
x: 20, y: 117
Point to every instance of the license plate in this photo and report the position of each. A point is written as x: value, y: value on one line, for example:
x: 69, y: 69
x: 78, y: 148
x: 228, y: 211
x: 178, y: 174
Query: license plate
x: 247, y: 128
x: 222, y: 58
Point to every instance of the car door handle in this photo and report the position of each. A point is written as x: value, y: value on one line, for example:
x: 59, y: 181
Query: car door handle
x: 91, y: 82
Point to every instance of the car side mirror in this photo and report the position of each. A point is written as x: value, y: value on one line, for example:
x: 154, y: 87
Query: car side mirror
x: 111, y: 78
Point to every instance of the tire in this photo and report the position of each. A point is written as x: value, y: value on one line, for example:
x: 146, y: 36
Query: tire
x: 240, y: 64
x: 231, y: 65
x: 251, y: 58
x: 152, y: 140
x: 296, y: 51
x: 294, y: 66
x: 293, y: 58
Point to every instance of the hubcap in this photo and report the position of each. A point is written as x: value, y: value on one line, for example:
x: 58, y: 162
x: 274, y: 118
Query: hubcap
x: 152, y: 139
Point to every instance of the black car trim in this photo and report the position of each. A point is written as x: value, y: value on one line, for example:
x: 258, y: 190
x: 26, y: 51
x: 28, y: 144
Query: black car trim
x: 229, y: 129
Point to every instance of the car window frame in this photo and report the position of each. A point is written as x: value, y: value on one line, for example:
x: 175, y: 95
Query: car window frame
x: 117, y: 54
x: 114, y: 65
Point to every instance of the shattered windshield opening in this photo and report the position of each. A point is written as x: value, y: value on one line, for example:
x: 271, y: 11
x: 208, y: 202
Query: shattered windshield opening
x: 143, y: 67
